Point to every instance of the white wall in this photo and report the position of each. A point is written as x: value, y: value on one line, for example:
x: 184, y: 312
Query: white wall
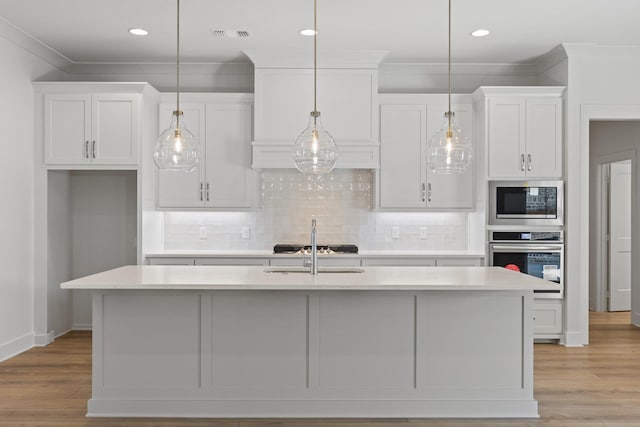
x: 19, y: 69
x: 603, y: 85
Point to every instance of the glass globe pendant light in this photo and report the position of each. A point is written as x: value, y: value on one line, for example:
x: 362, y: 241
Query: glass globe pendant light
x: 315, y: 150
x: 176, y: 147
x: 449, y: 151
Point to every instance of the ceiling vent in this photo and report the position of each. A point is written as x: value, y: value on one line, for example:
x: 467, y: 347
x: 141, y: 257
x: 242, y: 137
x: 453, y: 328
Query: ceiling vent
x: 231, y: 34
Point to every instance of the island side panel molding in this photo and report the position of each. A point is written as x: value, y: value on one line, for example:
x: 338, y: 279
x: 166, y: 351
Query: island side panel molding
x: 313, y: 353
x: 367, y: 341
x: 259, y: 341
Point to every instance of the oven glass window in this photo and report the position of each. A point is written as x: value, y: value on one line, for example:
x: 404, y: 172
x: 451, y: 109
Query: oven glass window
x: 545, y: 265
x: 535, y: 202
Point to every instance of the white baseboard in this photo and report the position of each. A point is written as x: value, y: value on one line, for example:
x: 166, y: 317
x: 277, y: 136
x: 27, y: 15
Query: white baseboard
x: 44, y: 339
x: 16, y: 346
x: 573, y: 339
x: 81, y: 327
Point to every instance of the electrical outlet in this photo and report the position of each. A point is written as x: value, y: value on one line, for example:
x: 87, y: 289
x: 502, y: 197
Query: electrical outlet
x: 395, y: 232
x: 423, y: 233
x: 203, y: 233
x: 246, y: 232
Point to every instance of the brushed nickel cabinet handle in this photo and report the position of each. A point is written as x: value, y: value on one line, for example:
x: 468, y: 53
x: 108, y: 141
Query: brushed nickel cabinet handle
x: 93, y: 149
x: 424, y: 192
x: 201, y: 192
x: 529, y: 162
x: 207, y: 191
x: 522, y: 162
x: 429, y: 193
x: 86, y: 149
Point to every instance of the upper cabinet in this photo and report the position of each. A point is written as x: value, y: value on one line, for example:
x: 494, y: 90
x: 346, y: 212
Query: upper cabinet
x: 407, y: 124
x: 92, y: 124
x: 347, y: 89
x: 522, y: 128
x: 223, y: 179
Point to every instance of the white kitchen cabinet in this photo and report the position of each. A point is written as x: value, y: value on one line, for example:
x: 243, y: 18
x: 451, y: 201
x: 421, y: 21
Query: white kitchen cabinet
x: 91, y: 128
x: 407, y: 124
x: 232, y: 261
x: 523, y: 131
x: 170, y: 261
x: 547, y: 320
x: 223, y: 178
x: 396, y: 261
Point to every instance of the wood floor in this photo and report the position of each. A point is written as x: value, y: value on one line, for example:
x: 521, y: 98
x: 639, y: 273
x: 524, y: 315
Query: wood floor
x: 598, y: 385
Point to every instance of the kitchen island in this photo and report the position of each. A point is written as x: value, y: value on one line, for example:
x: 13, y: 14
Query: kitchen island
x: 230, y: 341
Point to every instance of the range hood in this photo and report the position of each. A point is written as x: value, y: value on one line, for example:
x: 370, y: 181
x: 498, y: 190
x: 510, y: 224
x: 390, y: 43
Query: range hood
x: 347, y: 99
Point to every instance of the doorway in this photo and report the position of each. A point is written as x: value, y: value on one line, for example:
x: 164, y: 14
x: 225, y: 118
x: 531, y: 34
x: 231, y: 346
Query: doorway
x: 613, y: 147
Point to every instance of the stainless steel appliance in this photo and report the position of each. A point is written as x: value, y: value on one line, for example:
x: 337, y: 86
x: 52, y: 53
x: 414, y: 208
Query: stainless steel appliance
x: 538, y: 253
x: 526, y: 203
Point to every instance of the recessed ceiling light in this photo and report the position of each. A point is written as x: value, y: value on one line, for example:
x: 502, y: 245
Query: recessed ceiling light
x: 480, y: 33
x: 308, y: 32
x: 138, y: 31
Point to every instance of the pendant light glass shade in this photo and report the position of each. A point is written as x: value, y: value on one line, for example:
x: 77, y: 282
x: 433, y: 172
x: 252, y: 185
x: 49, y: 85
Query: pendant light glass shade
x: 176, y: 147
x: 449, y: 150
x: 315, y: 150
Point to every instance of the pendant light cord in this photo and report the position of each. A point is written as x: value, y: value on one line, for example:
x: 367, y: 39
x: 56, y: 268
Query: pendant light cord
x: 315, y: 54
x: 178, y: 61
x: 449, y: 72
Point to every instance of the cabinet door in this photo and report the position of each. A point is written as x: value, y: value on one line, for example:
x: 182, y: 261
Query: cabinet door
x: 229, y: 179
x: 402, y: 156
x: 451, y: 190
x: 114, y: 136
x: 507, y: 134
x: 67, y: 131
x: 178, y: 189
x: 544, y: 138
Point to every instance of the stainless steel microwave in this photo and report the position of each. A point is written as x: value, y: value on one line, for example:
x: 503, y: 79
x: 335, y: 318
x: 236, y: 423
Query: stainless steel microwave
x: 526, y: 203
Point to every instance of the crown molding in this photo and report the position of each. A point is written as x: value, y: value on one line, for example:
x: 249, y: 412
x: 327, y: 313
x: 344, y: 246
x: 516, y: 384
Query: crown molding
x: 36, y: 47
x: 277, y: 58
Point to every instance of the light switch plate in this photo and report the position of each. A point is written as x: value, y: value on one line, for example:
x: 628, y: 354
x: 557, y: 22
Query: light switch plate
x: 395, y: 232
x: 423, y: 233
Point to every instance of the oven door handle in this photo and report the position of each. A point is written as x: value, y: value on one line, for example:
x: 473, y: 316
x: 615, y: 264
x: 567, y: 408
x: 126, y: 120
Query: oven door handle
x: 527, y: 248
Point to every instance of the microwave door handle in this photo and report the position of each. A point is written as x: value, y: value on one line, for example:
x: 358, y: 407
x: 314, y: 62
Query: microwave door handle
x: 526, y: 248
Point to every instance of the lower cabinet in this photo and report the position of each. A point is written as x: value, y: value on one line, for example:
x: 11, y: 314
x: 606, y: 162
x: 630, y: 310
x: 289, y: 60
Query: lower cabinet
x: 232, y: 261
x: 547, y: 318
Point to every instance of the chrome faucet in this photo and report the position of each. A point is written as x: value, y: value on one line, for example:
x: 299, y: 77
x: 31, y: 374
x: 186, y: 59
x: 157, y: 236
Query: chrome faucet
x: 314, y: 249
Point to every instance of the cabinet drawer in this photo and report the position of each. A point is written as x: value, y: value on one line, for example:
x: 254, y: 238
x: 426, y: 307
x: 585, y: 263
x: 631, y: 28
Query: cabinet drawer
x: 460, y: 262
x: 232, y: 261
x: 170, y: 261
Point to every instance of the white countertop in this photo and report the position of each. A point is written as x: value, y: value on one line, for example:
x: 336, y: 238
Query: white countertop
x: 269, y: 253
x: 255, y: 278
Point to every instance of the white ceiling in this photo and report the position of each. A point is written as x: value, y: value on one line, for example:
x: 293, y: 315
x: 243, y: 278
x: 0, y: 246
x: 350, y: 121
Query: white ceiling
x: 87, y: 31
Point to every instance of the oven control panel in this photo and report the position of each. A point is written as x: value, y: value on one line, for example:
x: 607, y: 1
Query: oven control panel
x: 526, y: 236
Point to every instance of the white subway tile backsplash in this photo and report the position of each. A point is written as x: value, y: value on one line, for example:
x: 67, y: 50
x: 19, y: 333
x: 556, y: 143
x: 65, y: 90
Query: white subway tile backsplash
x: 341, y: 202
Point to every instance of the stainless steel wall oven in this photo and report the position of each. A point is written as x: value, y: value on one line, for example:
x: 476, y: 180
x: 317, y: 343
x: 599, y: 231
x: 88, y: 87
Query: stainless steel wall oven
x: 538, y: 253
